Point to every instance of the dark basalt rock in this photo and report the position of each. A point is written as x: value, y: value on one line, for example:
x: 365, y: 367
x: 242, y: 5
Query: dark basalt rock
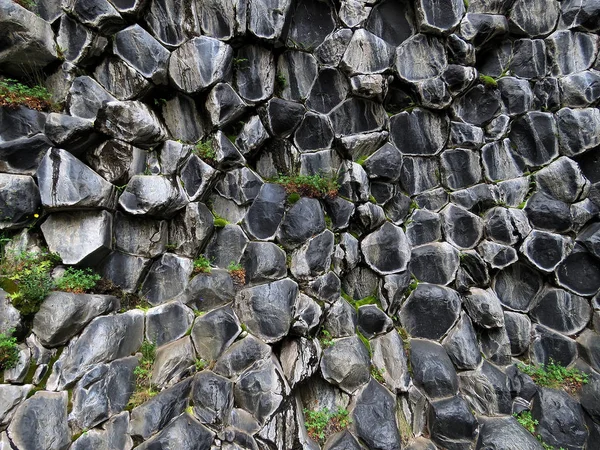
x: 357, y: 115
x: 425, y: 227
x: 373, y: 321
x: 462, y: 228
x: 505, y: 432
x: 434, y: 263
x: 419, y: 174
x: 263, y: 261
x: 479, y: 105
x: 281, y: 117
x: 517, y: 286
x: 419, y: 132
x: 453, y: 424
x: 186, y: 429
x: 266, y: 212
x: 386, y: 250
x: 374, y: 418
x: 547, y: 213
x: 580, y: 56
x: 298, y: 82
x: 547, y: 344
x: 384, y: 164
x: 578, y: 132
x: 460, y: 168
x: 578, y: 272
x: 314, y: 133
x: 19, y: 200
x: 432, y: 369
x: 506, y: 225
x: 535, y: 138
x: 314, y: 257
x: 302, y: 221
x: 420, y: 57
x: 518, y: 327
x: 483, y: 306
x: 534, y: 17
x: 560, y: 418
x: 561, y: 311
x: 430, y: 311
x: 227, y: 245
x: 500, y: 161
x: 255, y: 78
x: 482, y: 28
x: 391, y: 21
x: 529, y: 58
x: 346, y: 364
x: 545, y: 250
x: 224, y: 105
x: 462, y: 346
x: 214, y: 332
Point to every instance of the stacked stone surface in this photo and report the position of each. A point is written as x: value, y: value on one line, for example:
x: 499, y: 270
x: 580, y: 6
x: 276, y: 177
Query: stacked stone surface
x: 462, y: 237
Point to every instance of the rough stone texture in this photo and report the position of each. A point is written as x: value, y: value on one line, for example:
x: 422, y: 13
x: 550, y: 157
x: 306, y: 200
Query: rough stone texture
x: 386, y: 250
x: 346, y: 364
x: 432, y: 369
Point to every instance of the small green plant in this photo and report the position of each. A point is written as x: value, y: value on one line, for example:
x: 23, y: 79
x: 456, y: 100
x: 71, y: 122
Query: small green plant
x: 555, y: 376
x: 28, y: 4
x: 205, y: 151
x: 237, y: 272
x: 488, y: 81
x: 13, y: 94
x: 377, y: 374
x: 323, y: 423
x: 219, y: 222
x: 325, y: 339
x: 316, y: 186
x: 144, y: 390
x: 240, y: 63
x: 293, y: 198
x: 280, y: 83
x: 9, y: 352
x: 77, y: 281
x: 202, y: 264
x: 200, y: 364
x: 29, y: 273
x: 527, y: 421
x: 360, y: 161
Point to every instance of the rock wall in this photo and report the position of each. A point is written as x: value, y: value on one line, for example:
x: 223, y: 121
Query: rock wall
x: 465, y: 138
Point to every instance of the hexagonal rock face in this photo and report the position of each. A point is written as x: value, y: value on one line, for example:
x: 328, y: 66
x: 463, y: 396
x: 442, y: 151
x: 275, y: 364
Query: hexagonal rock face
x: 462, y: 228
x: 434, y: 263
x: 535, y: 137
x: 432, y: 369
x: 439, y: 16
x: 484, y: 308
x: 517, y: 286
x: 40, y: 423
x: 419, y: 132
x: 374, y: 417
x: 90, y: 236
x: 152, y: 195
x: 562, y: 179
x: 346, y: 364
x: 534, y: 17
x: 386, y: 250
x: 214, y: 332
x: 65, y: 182
x: 200, y: 63
x: 366, y: 53
x: 579, y: 272
x: 19, y: 199
x: 546, y: 250
x: 420, y: 57
x: 301, y: 221
x: 430, y: 311
x: 267, y: 310
x: 265, y: 214
x: 452, y: 423
x: 167, y: 278
x: 561, y: 311
x: 505, y: 432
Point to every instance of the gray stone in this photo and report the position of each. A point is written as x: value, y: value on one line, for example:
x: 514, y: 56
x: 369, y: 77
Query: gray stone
x: 131, y: 121
x: 505, y: 432
x: 346, y: 364
x: 313, y: 133
x: 267, y: 20
x: 430, y: 311
x: 534, y: 17
x: 420, y: 57
x: 264, y: 261
x: 560, y: 419
x: 432, y: 369
x: 340, y: 211
x: 182, y: 119
x: 167, y: 322
x: 90, y: 236
x: 588, y: 344
x: 196, y: 177
x: 392, y: 21
x: 173, y: 362
x: 314, y: 257
x: 419, y: 132
x: 167, y: 277
x: 465, y: 135
x: 500, y: 161
x: 341, y: 319
x: 241, y: 355
x: 369, y: 86
x: 562, y: 179
x: 462, y: 346
x: 187, y: 72
x: 483, y: 306
x: 461, y: 227
x: 434, y: 263
x: 19, y: 200
x: 124, y: 270
x: 328, y: 91
x: 120, y: 79
x: 548, y: 345
x: 546, y: 250
x: 529, y: 58
x: 353, y: 13
x: 331, y: 50
x: 212, y: 396
x: 299, y: 359
x: 460, y: 168
x: 255, y: 80
x: 506, y: 225
x: 214, y: 332
x: 366, y: 53
x: 547, y: 213
x: 578, y: 272
x: 367, y: 116
x: 10, y: 318
x: 578, y: 130
x: 307, y: 317
x: 518, y: 327
x: 116, y: 161
x: 386, y: 250
x: 479, y: 105
x: 561, y: 311
x: 582, y: 47
x: 146, y: 238
x: 252, y: 135
x: 227, y: 245
x: 367, y: 217
x: 343, y: 440
x: 495, y: 346
x: 65, y: 182
x: 40, y: 423
x: 483, y: 28
x: 267, y: 310
x: 152, y: 196
x: 86, y: 97
x: 185, y: 432
x: 424, y: 227
x: 419, y: 174
x: 302, y: 221
x: 372, y: 321
x: 71, y: 133
x: 190, y: 229
x: 20, y: 122
x: 102, y: 392
x: 240, y: 185
x: 373, y: 418
x: 62, y: 315
x: 390, y: 359
x: 517, y: 286
x: 452, y: 423
x: 353, y: 182
x: 28, y: 40
x: 157, y: 412
x: 78, y: 43
x: 106, y: 338
x: 223, y: 104
x: 101, y: 14
x: 539, y: 147
x: 281, y: 117
x: 221, y: 20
